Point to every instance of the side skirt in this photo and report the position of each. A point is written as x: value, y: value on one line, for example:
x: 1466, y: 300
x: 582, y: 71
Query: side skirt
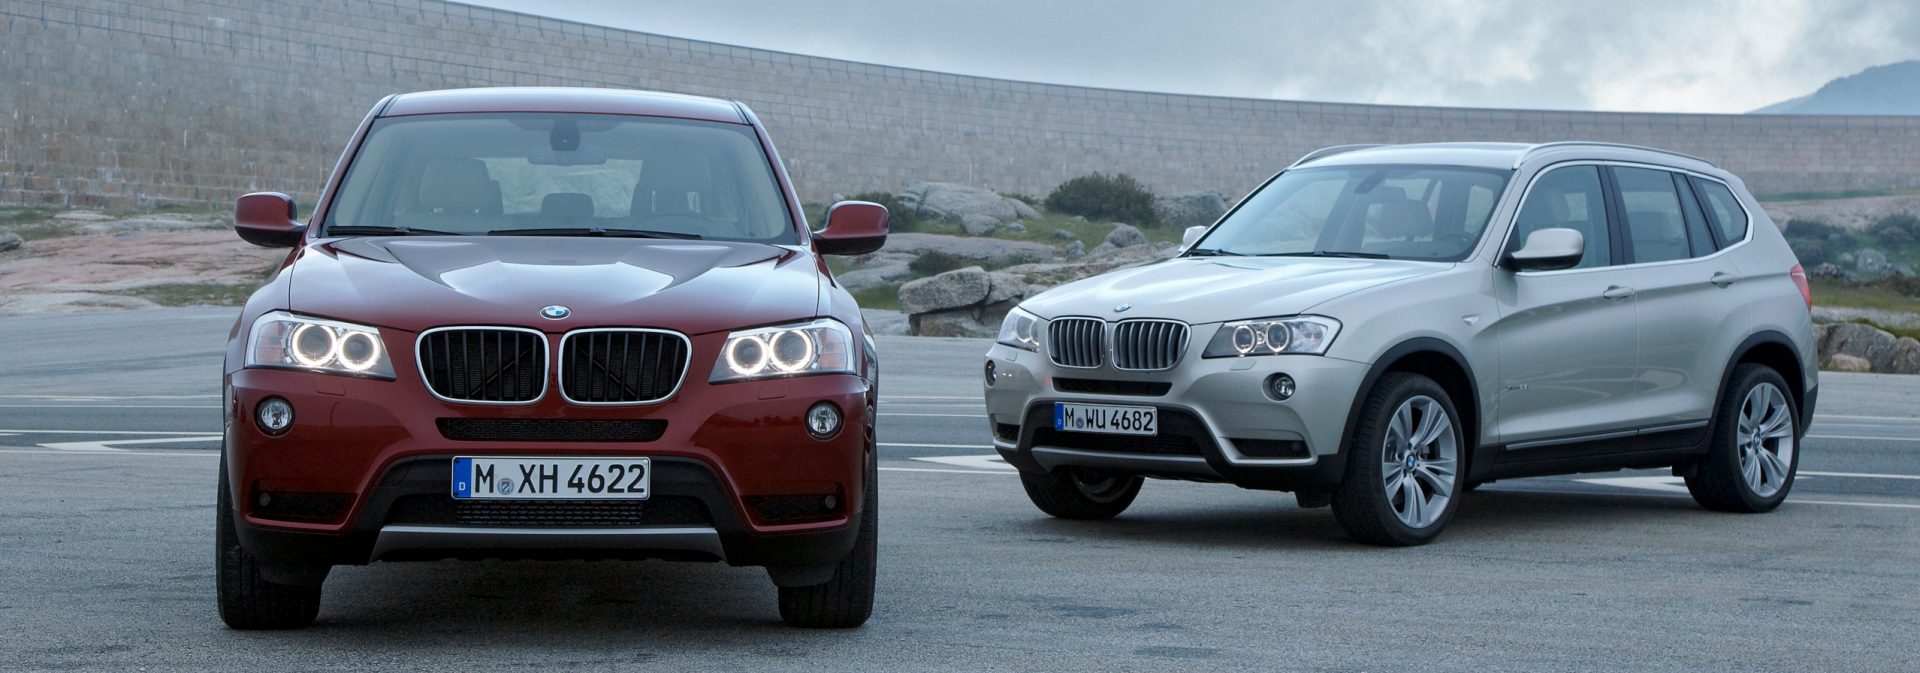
x: 1663, y: 446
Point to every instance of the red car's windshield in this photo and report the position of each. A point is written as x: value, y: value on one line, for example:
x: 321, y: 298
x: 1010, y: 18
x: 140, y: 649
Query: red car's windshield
x: 561, y: 174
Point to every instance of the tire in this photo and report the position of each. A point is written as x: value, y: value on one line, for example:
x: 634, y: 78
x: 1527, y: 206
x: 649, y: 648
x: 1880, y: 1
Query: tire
x: 1380, y: 471
x: 247, y: 600
x: 1753, y: 453
x: 846, y: 601
x: 1080, y: 494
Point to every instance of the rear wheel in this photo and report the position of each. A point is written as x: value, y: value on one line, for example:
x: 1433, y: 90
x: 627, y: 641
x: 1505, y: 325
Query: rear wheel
x: 247, y: 599
x: 1754, y: 452
x: 1080, y: 493
x: 846, y: 601
x: 1403, y: 464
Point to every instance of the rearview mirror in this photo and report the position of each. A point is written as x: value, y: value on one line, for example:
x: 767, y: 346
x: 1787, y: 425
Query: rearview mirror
x: 1549, y: 250
x: 1191, y: 236
x: 266, y: 219
x: 853, y: 228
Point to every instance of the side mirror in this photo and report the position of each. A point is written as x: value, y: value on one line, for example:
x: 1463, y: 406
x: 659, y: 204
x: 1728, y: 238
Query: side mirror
x: 1549, y: 250
x: 266, y: 219
x: 1191, y: 236
x: 853, y: 228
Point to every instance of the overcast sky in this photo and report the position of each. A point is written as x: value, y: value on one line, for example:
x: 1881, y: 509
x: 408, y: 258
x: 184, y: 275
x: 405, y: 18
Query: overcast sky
x: 1646, y: 55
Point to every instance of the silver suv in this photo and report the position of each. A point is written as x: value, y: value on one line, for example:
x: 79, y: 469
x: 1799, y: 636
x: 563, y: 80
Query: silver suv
x: 1383, y: 328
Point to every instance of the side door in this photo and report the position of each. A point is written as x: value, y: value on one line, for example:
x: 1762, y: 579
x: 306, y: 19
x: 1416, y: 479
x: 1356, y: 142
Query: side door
x: 1565, y: 339
x: 1687, y: 296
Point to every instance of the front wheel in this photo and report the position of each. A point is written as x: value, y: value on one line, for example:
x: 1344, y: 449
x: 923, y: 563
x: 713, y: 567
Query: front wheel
x: 846, y: 601
x: 1079, y: 493
x: 249, y: 600
x: 1754, y: 451
x: 1403, y: 478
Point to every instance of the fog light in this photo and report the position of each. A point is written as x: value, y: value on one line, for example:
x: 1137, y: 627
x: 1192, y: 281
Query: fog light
x: 823, y: 420
x: 989, y: 372
x: 1280, y: 386
x: 274, y: 415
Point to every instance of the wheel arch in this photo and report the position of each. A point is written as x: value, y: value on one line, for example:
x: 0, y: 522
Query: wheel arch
x: 1776, y: 351
x: 1434, y: 359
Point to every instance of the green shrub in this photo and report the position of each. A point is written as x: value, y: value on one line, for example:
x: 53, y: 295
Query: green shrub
x: 899, y: 217
x: 1105, y: 197
x: 934, y: 262
x: 1023, y: 198
x: 1896, y: 230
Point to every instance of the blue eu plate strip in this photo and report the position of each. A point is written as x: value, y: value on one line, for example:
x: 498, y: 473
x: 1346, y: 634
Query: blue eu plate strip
x: 1059, y: 416
x: 463, y: 477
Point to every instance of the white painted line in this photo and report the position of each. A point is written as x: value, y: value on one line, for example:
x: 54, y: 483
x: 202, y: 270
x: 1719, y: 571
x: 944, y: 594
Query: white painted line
x: 975, y: 398
x: 1859, y: 475
x: 104, y: 432
x: 182, y: 452
x: 1663, y: 484
x: 883, y: 413
x: 1866, y: 437
x: 107, y: 445
x: 107, y: 397
x: 110, y: 406
x: 1888, y: 505
x: 987, y: 462
x: 1790, y: 500
x: 936, y: 446
x: 1901, y: 419
x: 930, y: 469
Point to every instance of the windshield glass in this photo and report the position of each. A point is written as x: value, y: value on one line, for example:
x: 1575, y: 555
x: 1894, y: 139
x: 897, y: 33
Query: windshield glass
x: 562, y: 174
x: 1399, y: 212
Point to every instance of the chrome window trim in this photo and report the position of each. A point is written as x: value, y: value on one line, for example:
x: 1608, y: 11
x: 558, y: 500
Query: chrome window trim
x: 561, y: 371
x: 546, y: 372
x: 1513, y: 220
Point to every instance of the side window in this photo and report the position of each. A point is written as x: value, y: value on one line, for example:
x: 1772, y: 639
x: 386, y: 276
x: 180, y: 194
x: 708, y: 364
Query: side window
x: 1569, y: 198
x: 1656, y: 230
x: 1697, y: 234
x: 1727, y: 214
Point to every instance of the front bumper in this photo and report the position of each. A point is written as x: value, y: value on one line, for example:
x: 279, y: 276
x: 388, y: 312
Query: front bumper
x: 1218, y: 422
x: 364, y: 474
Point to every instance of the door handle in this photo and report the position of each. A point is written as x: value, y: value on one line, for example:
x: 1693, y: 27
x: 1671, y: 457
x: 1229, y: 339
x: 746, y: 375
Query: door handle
x: 1723, y: 279
x: 1618, y: 293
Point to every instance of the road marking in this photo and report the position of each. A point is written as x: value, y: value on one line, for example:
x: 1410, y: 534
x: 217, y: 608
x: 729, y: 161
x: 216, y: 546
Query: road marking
x: 183, y: 452
x: 110, y: 406
x: 1859, y: 475
x: 941, y: 471
x: 990, y: 462
x: 107, y: 444
x: 105, y: 432
x: 936, y: 446
x: 1664, y: 484
x: 975, y: 398
x: 1866, y: 437
x: 105, y: 397
x: 1903, y: 419
x: 883, y: 413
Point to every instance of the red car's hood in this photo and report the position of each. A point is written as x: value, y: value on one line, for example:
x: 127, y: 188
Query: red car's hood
x: 422, y: 282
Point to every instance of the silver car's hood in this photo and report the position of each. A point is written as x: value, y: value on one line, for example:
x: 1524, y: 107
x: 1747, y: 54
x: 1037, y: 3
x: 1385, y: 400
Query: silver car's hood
x: 1214, y: 289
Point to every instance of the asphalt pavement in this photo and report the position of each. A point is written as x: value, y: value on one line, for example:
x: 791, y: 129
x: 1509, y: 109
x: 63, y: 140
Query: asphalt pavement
x: 108, y: 433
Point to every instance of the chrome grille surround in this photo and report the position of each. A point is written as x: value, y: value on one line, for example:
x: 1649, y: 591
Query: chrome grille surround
x: 1078, y: 343
x: 1148, y: 344
x: 450, y: 359
x: 595, y: 381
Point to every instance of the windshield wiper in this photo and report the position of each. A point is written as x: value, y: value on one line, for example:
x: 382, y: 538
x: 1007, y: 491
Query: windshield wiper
x: 1330, y: 253
x: 386, y: 231
x: 1213, y: 252
x: 594, y: 231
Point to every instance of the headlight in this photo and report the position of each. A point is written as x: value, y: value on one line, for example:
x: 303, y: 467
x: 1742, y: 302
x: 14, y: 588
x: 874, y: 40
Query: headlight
x: 287, y: 341
x: 823, y: 346
x: 1307, y: 335
x: 1021, y: 330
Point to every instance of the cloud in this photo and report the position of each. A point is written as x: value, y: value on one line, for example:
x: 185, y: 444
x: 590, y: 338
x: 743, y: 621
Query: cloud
x: 1655, y: 55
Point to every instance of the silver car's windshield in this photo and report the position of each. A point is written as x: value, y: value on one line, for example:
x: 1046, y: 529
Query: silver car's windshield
x: 1432, y: 213
x: 561, y: 174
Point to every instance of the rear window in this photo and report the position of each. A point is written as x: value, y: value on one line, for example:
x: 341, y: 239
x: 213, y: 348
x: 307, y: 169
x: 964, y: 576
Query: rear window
x: 494, y: 173
x: 1656, y: 228
x: 1728, y: 216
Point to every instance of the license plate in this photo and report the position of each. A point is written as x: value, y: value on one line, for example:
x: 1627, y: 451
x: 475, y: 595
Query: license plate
x: 1105, y: 418
x: 507, y: 478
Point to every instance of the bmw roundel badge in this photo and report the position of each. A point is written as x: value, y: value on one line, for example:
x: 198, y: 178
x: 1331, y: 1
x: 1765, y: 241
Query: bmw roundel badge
x: 556, y: 312
x: 1122, y: 308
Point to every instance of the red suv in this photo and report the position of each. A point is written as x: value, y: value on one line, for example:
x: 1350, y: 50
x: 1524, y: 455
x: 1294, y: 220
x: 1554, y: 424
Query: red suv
x: 551, y: 323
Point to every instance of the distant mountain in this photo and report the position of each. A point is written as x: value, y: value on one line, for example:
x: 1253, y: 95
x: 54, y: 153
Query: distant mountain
x: 1880, y: 90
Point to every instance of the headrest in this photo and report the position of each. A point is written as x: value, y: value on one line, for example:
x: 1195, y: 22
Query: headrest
x: 566, y: 206
x: 459, y: 186
x: 667, y: 177
x: 1404, y: 219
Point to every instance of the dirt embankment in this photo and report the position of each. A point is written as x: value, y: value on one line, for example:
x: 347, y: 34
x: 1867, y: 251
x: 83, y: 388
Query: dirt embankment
x: 78, y: 261
x: 1847, y: 213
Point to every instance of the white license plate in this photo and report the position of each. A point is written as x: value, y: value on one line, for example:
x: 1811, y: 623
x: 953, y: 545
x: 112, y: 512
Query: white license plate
x: 508, y: 478
x: 1106, y: 418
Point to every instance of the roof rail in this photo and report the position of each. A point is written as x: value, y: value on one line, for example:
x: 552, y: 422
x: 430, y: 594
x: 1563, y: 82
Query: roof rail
x: 1596, y: 143
x: 1330, y: 151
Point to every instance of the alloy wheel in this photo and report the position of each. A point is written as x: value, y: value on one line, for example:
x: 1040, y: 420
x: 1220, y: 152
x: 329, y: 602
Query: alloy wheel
x: 1764, y: 439
x: 1419, y: 461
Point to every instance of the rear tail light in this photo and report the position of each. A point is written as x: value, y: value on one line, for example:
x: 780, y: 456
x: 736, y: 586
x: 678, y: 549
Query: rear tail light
x: 1800, y: 280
